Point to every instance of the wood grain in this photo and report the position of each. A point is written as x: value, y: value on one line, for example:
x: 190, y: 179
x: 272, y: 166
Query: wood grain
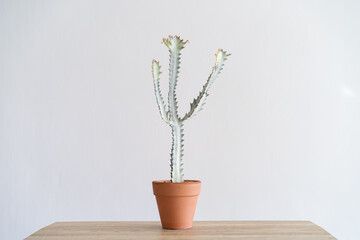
x: 249, y: 230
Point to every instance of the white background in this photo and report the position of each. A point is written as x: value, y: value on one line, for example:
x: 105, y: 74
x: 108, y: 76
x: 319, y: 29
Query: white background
x: 81, y: 137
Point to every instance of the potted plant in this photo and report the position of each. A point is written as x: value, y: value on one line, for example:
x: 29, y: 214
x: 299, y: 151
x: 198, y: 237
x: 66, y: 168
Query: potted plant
x: 176, y: 198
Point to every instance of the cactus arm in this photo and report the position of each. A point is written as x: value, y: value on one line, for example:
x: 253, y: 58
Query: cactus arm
x: 159, y: 99
x: 199, y: 102
x: 175, y: 45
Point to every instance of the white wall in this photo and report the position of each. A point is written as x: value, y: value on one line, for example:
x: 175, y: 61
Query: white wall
x: 81, y: 137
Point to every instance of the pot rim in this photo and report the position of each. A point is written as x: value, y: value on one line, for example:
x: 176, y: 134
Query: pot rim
x: 169, y: 182
x: 166, y: 188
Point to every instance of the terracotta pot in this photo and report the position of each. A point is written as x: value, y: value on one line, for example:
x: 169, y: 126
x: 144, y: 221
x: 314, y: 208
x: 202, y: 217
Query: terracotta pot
x: 176, y: 202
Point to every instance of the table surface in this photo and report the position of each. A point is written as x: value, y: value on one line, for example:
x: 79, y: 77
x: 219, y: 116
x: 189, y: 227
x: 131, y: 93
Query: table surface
x: 249, y: 230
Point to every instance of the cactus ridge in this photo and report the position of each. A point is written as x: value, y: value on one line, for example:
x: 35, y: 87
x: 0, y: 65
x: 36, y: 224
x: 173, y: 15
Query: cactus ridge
x: 170, y: 113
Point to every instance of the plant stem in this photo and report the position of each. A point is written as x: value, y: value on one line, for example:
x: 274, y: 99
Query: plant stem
x: 177, y: 152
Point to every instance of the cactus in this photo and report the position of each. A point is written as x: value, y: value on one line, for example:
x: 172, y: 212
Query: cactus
x: 170, y: 113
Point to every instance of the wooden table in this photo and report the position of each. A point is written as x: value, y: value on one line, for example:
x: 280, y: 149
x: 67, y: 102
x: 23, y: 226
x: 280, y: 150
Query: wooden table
x: 249, y: 230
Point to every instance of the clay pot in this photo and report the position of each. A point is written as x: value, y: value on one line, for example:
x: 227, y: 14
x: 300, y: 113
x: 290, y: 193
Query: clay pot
x: 176, y: 202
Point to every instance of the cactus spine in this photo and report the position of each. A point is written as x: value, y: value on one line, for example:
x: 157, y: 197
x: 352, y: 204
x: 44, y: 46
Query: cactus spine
x: 170, y: 113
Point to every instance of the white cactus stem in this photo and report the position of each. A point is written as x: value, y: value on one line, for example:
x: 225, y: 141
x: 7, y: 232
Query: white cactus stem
x: 177, y: 153
x: 175, y: 45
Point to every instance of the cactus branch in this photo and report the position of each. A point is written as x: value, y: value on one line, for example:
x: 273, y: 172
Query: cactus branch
x: 175, y: 45
x: 199, y: 102
x: 159, y: 99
